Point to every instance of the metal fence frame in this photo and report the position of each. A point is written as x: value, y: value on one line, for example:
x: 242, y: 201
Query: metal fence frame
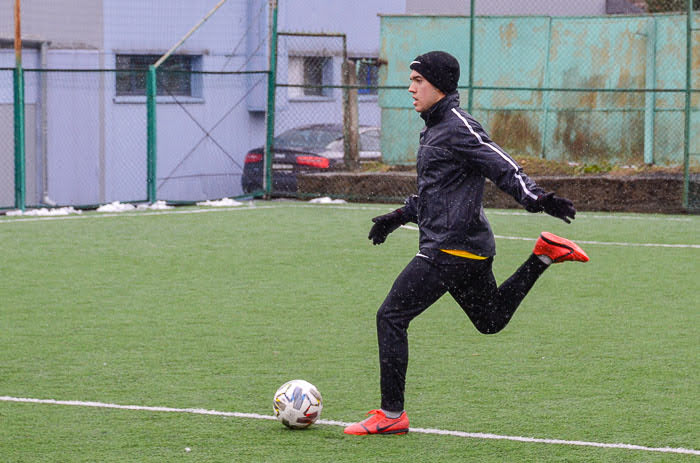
x: 19, y: 123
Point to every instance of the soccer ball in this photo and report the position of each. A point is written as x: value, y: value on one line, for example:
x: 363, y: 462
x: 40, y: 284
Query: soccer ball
x: 297, y: 404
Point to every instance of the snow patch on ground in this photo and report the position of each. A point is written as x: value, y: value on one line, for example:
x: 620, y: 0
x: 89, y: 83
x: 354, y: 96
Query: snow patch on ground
x: 327, y: 200
x: 116, y: 206
x: 158, y: 205
x: 224, y: 202
x: 45, y: 212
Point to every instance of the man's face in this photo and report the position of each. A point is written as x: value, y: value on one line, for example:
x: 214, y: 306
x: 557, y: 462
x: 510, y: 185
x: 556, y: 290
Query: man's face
x: 425, y: 94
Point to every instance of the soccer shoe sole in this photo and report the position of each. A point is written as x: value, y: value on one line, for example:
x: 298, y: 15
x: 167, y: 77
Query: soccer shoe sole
x: 367, y: 432
x: 571, y: 251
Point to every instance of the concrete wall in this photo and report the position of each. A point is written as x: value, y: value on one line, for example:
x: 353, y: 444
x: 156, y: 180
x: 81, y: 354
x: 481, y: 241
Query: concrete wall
x: 67, y: 23
x: 360, y: 20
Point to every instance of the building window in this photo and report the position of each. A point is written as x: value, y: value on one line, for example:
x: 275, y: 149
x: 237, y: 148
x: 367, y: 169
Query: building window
x: 308, y: 75
x: 368, y: 74
x: 174, y: 76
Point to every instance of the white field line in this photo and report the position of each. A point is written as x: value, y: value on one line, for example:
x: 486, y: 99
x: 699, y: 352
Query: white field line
x: 254, y: 207
x: 511, y: 213
x: 363, y: 208
x: 440, y: 432
x: 605, y: 217
x: 601, y: 243
x: 100, y: 215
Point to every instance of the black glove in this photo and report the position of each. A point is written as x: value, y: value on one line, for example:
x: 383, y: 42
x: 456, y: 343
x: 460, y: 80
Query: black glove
x: 555, y: 206
x: 385, y: 224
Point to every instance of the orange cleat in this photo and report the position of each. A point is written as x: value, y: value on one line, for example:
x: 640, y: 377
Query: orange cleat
x: 378, y: 423
x: 558, y: 249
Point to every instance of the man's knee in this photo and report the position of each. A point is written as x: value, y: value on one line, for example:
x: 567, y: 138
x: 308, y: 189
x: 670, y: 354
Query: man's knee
x: 383, y: 316
x: 388, y: 319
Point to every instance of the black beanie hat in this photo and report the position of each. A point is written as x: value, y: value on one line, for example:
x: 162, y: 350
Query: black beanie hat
x: 440, y: 69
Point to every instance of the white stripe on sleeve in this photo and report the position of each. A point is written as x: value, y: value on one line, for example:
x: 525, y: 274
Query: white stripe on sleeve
x: 499, y: 152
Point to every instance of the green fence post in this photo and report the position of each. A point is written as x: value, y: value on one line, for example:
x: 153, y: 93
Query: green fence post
x: 151, y: 88
x: 20, y: 180
x: 688, y: 77
x: 472, y: 9
x: 650, y: 96
x: 546, y: 97
x: 271, y: 91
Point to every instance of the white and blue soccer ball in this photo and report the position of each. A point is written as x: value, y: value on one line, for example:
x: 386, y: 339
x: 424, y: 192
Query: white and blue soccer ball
x: 297, y: 404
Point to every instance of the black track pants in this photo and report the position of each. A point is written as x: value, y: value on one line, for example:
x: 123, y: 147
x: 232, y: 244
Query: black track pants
x: 470, y: 282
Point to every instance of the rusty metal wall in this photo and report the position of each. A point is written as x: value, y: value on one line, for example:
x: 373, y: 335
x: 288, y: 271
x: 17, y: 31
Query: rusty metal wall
x: 570, y: 88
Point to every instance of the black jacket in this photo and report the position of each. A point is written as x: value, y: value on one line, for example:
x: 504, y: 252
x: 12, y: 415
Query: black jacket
x: 454, y: 158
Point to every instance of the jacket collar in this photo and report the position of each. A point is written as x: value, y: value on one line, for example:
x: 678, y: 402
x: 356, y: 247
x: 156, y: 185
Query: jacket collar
x: 437, y: 111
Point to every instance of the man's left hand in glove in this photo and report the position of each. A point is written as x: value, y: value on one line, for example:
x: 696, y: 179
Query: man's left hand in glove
x: 561, y: 208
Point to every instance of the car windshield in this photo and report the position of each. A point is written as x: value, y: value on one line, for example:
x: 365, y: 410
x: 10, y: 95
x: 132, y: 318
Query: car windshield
x: 316, y: 137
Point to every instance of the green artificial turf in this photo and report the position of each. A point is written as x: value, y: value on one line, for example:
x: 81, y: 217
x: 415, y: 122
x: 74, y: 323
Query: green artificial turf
x: 215, y: 309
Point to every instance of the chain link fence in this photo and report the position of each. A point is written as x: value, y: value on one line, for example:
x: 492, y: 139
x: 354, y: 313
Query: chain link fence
x: 92, y: 143
x: 90, y: 138
x: 666, y: 6
x: 563, y: 89
x: 564, y: 95
x: 7, y: 145
x: 202, y: 147
x: 310, y: 108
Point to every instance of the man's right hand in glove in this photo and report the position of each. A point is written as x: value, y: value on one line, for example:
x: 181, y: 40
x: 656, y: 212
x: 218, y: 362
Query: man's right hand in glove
x: 385, y: 224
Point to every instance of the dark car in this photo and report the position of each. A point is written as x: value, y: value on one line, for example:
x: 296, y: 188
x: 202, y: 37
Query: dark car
x: 309, y: 148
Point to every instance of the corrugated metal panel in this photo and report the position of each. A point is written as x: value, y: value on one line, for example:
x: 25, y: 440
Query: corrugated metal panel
x: 533, y: 53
